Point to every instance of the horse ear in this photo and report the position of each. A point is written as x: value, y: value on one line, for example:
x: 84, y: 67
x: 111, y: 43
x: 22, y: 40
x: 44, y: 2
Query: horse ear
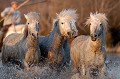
x: 104, y: 14
x: 26, y: 16
x: 57, y: 14
x: 56, y: 23
x: 91, y: 14
x: 96, y: 12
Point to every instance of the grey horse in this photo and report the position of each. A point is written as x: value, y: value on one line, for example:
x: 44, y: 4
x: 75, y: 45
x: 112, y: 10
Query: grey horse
x: 88, y: 53
x: 55, y: 45
x: 23, y: 49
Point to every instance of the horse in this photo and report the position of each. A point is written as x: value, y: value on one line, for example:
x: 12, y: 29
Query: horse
x: 54, y: 47
x: 15, y: 29
x: 23, y: 49
x: 88, y: 52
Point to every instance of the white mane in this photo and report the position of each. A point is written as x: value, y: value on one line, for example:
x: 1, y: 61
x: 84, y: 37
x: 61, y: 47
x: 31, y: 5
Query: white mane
x: 98, y: 17
x: 67, y: 13
x: 33, y: 16
x: 71, y: 13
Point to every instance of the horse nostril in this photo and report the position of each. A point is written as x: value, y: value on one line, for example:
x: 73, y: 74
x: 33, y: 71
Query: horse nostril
x: 32, y: 34
x: 95, y: 35
x: 68, y: 33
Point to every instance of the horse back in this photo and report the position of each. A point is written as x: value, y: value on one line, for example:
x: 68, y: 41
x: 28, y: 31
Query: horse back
x: 12, y: 39
x: 79, y: 40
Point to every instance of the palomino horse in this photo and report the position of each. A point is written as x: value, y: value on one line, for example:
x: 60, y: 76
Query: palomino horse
x: 23, y: 48
x: 88, y: 52
x: 55, y: 46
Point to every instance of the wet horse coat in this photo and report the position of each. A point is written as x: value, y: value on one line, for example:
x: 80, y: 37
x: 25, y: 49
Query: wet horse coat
x: 23, y: 48
x: 54, y: 42
x: 88, y: 53
x: 55, y: 46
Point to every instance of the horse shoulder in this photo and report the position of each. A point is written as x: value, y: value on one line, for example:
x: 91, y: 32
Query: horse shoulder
x: 78, y: 49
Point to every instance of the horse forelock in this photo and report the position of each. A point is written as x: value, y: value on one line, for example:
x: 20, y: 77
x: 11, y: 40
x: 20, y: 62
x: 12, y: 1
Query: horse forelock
x: 98, y: 18
x: 33, y: 16
x: 68, y: 14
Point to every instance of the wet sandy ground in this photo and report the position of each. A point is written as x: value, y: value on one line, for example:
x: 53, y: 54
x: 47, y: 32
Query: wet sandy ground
x: 47, y: 73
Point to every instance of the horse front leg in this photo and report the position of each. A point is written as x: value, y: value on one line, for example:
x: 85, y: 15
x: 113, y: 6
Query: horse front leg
x: 26, y: 66
x: 104, y: 72
x: 83, y: 70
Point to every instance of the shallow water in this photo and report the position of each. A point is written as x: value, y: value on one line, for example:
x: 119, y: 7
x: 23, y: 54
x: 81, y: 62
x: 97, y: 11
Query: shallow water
x: 33, y: 73
x: 46, y: 73
x: 114, y: 66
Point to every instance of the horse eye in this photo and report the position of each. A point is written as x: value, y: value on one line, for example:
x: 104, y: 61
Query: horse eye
x: 62, y: 23
x: 38, y: 23
x: 89, y: 24
x: 28, y: 23
x: 100, y: 24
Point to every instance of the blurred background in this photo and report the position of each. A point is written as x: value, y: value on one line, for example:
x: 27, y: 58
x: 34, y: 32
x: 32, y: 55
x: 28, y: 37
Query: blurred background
x: 49, y: 8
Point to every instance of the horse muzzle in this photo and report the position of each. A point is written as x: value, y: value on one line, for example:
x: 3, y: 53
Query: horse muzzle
x: 34, y: 35
x: 93, y: 37
x: 69, y: 34
x: 74, y: 34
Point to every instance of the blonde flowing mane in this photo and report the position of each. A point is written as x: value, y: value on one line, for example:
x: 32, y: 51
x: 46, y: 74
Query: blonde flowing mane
x: 70, y: 13
x: 33, y: 16
x: 98, y: 17
x: 84, y: 49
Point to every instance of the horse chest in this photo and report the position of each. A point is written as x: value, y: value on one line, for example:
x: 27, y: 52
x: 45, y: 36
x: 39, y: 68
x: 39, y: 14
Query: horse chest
x: 95, y: 58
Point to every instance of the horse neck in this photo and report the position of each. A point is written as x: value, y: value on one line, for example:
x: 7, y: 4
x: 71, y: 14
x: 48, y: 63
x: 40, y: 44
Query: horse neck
x: 57, y: 40
x: 31, y: 41
x: 99, y: 43
x: 102, y: 38
x: 25, y: 32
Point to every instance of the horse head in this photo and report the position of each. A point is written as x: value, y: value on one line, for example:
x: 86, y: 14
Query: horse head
x: 98, y: 25
x: 67, y: 23
x: 32, y: 23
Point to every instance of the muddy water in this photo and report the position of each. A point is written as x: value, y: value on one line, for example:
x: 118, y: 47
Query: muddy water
x: 46, y: 73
